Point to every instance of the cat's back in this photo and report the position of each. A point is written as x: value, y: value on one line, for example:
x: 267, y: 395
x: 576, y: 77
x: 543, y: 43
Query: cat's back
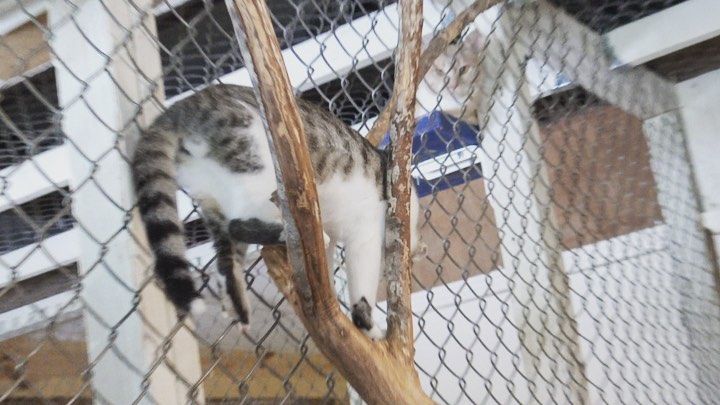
x: 227, y: 118
x: 209, y: 109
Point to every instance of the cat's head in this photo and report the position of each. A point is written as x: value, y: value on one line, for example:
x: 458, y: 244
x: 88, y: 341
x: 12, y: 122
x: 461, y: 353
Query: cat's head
x: 456, y: 70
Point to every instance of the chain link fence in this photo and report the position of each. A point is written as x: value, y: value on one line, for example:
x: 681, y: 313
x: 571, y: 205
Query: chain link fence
x: 565, y: 264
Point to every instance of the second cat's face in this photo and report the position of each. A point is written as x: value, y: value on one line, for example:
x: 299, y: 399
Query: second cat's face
x: 456, y: 70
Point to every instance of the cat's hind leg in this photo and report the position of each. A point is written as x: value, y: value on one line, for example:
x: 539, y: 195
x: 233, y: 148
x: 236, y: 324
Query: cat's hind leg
x: 230, y: 261
x: 275, y: 199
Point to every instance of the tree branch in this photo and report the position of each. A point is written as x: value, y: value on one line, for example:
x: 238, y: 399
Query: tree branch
x: 296, y: 184
x: 379, y: 373
x: 397, y: 237
x: 436, y: 47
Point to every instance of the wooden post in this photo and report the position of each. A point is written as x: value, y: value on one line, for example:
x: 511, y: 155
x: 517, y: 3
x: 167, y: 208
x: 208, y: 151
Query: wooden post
x: 108, y: 74
x: 397, y: 235
x: 519, y: 189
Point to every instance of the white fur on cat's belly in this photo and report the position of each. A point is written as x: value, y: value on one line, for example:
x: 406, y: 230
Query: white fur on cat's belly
x: 350, y: 203
x: 239, y: 195
x: 351, y: 206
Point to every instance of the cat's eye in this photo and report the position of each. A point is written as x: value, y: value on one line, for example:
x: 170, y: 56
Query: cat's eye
x: 462, y: 70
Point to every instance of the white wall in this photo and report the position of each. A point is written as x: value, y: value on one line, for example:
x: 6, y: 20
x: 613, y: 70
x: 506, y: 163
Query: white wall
x: 633, y: 341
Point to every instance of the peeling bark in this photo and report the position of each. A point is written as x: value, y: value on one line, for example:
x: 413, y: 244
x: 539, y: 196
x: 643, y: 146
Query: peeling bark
x: 397, y: 224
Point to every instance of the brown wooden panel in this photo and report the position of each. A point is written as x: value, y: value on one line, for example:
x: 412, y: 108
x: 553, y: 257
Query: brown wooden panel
x: 601, y: 183
x: 688, y: 62
x: 36, y: 288
x: 461, y: 235
x: 23, y: 49
x: 600, y: 172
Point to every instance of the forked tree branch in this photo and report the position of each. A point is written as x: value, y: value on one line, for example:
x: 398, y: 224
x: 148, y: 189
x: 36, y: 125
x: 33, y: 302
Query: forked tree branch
x: 436, y: 47
x: 379, y: 372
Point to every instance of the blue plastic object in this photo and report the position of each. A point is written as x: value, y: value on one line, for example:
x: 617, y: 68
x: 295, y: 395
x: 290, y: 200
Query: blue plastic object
x: 436, y: 135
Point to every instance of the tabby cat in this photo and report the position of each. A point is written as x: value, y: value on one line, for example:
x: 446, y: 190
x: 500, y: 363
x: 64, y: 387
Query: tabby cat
x: 213, y: 145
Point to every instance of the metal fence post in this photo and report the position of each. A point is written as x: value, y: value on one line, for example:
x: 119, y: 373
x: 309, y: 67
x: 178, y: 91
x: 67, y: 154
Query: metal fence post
x: 107, y: 64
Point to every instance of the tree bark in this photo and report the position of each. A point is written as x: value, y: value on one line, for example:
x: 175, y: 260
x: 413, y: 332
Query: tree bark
x: 378, y: 372
x: 296, y: 184
x: 397, y: 236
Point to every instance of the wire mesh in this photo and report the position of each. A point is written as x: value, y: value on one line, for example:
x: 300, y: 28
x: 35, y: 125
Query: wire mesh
x: 565, y: 260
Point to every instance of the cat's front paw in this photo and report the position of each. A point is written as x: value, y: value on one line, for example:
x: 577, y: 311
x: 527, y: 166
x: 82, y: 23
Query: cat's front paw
x: 362, y: 314
x: 362, y: 318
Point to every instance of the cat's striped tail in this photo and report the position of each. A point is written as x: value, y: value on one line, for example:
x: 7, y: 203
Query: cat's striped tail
x: 154, y: 178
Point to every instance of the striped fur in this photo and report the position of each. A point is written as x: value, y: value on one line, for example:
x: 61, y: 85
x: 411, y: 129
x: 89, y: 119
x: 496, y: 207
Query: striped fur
x: 214, y: 146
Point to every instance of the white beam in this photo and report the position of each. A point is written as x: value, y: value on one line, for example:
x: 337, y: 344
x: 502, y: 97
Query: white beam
x: 33, y: 178
x: 101, y: 98
x: 699, y: 100
x: 665, y: 32
x: 34, y: 259
x: 15, y: 13
x: 579, y: 54
x: 169, y: 5
x: 692, y: 271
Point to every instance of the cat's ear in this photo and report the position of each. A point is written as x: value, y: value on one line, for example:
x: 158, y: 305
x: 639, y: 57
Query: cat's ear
x: 475, y: 41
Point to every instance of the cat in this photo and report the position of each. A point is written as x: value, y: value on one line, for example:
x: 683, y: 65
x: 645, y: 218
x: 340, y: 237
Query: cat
x: 450, y: 84
x: 213, y: 145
